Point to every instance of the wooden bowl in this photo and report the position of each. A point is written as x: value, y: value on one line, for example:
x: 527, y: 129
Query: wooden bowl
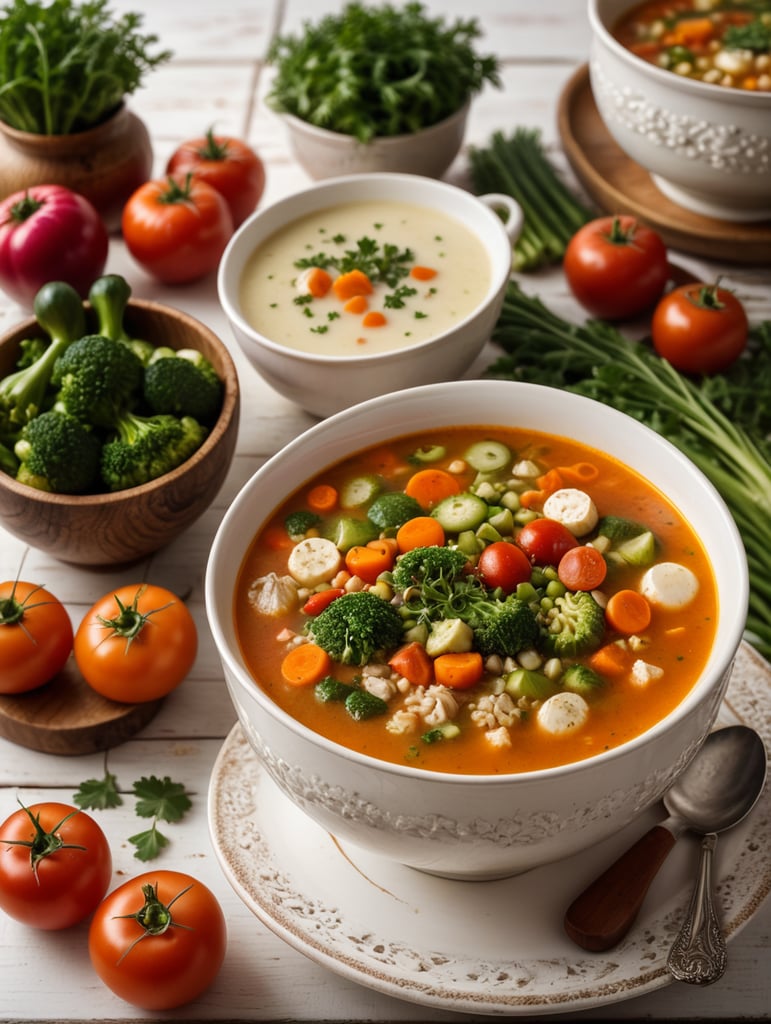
x: 121, y: 527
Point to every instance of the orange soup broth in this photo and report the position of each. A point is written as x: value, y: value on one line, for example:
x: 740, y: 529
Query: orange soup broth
x: 680, y: 641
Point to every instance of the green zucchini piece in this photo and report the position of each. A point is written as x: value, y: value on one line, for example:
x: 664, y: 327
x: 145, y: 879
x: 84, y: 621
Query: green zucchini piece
x: 460, y: 512
x: 488, y: 456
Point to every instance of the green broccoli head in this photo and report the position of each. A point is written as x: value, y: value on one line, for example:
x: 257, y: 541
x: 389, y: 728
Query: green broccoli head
x: 356, y: 627
x: 145, y: 447
x: 573, y: 625
x: 428, y: 564
x: 183, y: 386
x: 391, y: 510
x: 506, y: 627
x: 97, y: 379
x: 58, y: 453
x: 298, y: 523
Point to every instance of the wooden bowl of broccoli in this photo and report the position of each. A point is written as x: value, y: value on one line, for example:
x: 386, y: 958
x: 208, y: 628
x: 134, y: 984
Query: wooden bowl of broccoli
x: 118, y: 423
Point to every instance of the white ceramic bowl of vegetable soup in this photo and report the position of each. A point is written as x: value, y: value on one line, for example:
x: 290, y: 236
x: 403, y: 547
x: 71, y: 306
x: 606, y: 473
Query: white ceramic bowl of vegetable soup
x: 367, y: 284
x: 692, y: 105
x: 488, y: 766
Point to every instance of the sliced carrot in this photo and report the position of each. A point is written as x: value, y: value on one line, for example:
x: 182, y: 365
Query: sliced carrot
x: 610, y: 660
x: 368, y: 562
x: 414, y: 663
x: 374, y: 319
x: 458, y: 671
x: 318, y: 282
x: 322, y: 498
x: 358, y: 304
x: 305, y: 665
x: 579, y: 474
x: 353, y: 282
x: 276, y: 538
x: 582, y: 568
x: 422, y: 273
x: 430, y: 486
x: 420, y: 532
x: 550, y: 482
x: 386, y: 545
x: 628, y: 611
x: 692, y: 30
x: 532, y: 499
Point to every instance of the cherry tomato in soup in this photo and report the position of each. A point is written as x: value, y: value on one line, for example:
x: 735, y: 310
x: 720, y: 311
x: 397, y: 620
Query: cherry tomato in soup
x: 504, y: 565
x: 136, y: 643
x: 616, y: 267
x: 159, y: 940
x: 35, y: 636
x: 545, y: 541
x: 582, y: 568
x: 228, y: 165
x: 55, y: 865
x: 177, y: 228
x: 700, y: 328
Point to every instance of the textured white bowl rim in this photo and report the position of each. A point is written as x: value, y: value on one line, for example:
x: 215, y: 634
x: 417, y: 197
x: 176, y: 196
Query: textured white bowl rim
x: 732, y: 618
x: 227, y: 287
x: 743, y: 97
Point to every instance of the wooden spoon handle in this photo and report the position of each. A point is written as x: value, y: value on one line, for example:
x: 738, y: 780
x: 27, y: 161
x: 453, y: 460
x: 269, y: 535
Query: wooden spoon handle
x: 605, y: 911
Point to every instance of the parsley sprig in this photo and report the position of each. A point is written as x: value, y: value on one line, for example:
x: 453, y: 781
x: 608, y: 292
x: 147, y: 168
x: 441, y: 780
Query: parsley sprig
x: 387, y: 263
x: 379, y: 70
x: 159, y: 799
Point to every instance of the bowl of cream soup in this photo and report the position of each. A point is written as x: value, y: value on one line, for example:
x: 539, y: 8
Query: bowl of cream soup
x: 365, y: 285
x: 412, y: 646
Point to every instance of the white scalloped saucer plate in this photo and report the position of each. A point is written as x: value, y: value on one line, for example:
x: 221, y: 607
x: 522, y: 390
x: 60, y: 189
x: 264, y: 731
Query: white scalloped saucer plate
x: 475, y: 947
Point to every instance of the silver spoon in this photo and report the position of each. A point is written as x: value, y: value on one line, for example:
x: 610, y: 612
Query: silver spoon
x: 717, y: 789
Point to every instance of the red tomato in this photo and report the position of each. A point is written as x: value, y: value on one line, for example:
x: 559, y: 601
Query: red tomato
x: 504, y: 565
x: 228, y: 165
x: 159, y: 940
x: 582, y: 568
x: 616, y: 267
x: 60, y: 869
x: 545, y: 541
x: 700, y: 328
x: 35, y: 636
x: 177, y: 229
x: 48, y: 233
x: 136, y: 643
x: 317, y: 602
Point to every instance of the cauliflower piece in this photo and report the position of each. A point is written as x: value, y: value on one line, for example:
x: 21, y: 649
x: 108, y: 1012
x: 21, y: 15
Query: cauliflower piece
x: 273, y: 594
x: 499, y: 738
x: 643, y: 672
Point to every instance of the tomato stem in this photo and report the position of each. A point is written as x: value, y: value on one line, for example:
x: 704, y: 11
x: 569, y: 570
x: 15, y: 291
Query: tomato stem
x: 213, y: 150
x: 154, y: 916
x: 130, y: 622
x: 177, y: 192
x: 708, y: 297
x: 43, y: 844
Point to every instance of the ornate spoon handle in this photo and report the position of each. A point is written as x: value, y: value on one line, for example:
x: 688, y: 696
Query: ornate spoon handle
x: 698, y: 955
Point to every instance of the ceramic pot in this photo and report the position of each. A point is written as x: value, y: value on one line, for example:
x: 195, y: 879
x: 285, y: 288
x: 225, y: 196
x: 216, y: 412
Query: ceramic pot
x: 105, y: 163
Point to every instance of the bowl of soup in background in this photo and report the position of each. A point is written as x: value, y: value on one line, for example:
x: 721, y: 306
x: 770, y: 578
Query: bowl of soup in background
x: 465, y: 825
x: 292, y: 338
x: 706, y: 146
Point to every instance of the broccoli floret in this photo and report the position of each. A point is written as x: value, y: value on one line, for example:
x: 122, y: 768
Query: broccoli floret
x: 183, y: 386
x: 574, y: 624
x: 59, y: 311
x: 428, y: 564
x: 362, y: 704
x: 616, y: 528
x: 330, y: 690
x: 145, y: 447
x: 97, y: 379
x: 30, y: 350
x: 581, y: 679
x: 507, y: 627
x: 109, y: 297
x: 391, y: 510
x: 57, y: 453
x: 298, y: 523
x: 356, y: 627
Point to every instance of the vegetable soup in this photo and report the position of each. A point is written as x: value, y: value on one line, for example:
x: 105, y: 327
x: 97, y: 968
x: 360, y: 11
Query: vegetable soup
x: 477, y: 601
x: 364, y: 277
x: 722, y: 42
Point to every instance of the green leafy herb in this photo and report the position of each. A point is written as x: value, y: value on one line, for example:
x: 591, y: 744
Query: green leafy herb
x: 65, y: 67
x: 386, y: 263
x: 722, y: 423
x: 755, y: 36
x: 517, y: 166
x: 159, y: 799
x: 378, y: 70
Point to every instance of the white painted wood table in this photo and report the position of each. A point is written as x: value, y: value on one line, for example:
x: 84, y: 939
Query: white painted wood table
x: 217, y: 78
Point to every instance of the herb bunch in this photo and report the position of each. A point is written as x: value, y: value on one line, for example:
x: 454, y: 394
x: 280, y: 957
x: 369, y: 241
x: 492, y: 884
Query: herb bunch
x: 723, y: 423
x: 65, y: 67
x: 378, y: 71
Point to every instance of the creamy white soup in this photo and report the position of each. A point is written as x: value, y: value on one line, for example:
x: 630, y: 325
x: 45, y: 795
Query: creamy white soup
x: 364, y: 277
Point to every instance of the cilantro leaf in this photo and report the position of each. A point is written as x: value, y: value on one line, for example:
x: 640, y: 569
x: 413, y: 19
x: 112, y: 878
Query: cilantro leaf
x: 149, y: 843
x: 161, y: 798
x: 98, y: 794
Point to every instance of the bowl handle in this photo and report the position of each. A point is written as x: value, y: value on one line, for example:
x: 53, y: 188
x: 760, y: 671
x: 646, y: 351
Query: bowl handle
x: 508, y: 210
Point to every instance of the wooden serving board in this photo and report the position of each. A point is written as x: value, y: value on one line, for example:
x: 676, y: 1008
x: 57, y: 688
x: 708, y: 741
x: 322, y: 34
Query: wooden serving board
x: 619, y: 185
x: 67, y: 717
